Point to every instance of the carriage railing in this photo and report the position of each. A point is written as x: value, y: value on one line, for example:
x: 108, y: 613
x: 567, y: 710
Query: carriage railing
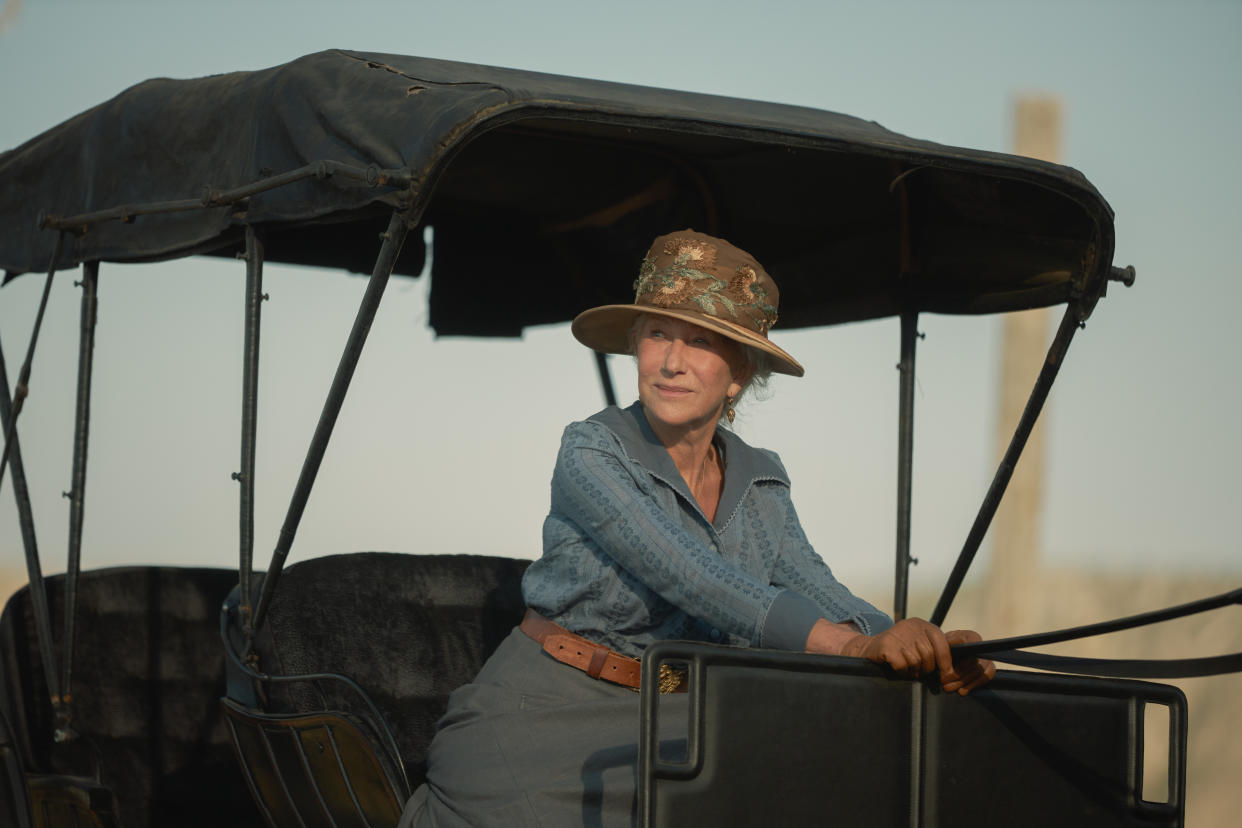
x: 246, y: 667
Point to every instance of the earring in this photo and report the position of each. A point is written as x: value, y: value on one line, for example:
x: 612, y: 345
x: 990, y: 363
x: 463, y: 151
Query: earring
x: 729, y: 412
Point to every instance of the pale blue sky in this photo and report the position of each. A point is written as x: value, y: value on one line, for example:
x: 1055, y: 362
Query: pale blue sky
x: 447, y: 446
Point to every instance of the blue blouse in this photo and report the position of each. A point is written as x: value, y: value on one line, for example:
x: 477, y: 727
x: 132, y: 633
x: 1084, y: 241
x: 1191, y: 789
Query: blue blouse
x: 629, y: 558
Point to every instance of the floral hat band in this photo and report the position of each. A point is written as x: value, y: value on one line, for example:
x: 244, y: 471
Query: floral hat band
x: 702, y: 280
x: 680, y: 271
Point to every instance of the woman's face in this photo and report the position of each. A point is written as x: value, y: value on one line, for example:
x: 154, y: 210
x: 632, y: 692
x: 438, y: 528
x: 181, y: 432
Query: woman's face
x: 685, y: 372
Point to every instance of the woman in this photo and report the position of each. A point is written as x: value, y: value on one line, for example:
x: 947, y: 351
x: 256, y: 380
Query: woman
x: 663, y: 525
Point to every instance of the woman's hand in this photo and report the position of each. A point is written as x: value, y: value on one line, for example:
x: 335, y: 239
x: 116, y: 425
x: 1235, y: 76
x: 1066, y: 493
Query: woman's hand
x: 970, y: 672
x: 912, y: 647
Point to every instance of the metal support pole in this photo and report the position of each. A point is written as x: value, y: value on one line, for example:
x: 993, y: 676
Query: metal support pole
x: 1070, y: 322
x: 249, y: 422
x: 393, y: 238
x: 77, y: 493
x: 905, y: 461
x: 22, y: 388
x: 25, y: 516
x: 605, y: 378
x: 10, y: 409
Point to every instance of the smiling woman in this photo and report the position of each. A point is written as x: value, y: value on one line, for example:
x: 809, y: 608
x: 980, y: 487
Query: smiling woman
x: 687, y: 375
x: 663, y: 525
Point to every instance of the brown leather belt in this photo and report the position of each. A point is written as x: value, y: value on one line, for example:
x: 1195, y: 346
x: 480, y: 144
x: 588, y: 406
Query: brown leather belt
x: 596, y: 660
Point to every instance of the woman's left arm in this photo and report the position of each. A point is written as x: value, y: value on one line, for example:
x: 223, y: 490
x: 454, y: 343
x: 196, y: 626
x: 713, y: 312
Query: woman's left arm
x: 798, y: 567
x: 853, y: 627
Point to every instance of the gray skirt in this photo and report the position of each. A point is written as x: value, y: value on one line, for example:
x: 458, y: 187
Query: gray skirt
x: 533, y: 742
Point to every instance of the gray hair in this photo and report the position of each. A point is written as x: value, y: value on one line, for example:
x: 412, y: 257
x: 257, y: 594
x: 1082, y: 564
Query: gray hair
x: 761, y: 368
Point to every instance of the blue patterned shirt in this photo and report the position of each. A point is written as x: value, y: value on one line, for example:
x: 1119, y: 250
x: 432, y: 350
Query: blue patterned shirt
x: 629, y: 558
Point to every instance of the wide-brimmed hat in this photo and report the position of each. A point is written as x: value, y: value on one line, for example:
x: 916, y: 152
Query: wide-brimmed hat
x: 702, y: 280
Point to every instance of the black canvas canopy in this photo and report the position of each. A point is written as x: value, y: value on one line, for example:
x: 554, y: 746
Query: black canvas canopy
x: 543, y: 191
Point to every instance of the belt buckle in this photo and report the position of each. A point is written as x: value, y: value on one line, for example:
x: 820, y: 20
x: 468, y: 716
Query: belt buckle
x: 673, y: 679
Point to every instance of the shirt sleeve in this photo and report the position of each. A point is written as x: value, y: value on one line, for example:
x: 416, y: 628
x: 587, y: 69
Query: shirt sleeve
x: 599, y: 491
x: 800, y: 569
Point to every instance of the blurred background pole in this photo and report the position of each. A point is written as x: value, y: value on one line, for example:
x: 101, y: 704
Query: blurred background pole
x: 1012, y: 581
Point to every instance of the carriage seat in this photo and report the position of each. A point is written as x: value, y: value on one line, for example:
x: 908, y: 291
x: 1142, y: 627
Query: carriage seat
x: 358, y: 654
x: 151, y: 746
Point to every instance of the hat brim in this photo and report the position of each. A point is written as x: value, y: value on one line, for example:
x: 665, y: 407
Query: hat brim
x: 607, y: 329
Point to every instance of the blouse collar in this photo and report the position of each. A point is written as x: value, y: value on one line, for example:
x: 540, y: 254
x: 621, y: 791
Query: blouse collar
x: 744, y: 464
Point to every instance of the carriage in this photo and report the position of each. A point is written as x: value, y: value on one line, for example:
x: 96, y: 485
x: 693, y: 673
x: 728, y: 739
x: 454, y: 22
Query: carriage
x: 230, y: 695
